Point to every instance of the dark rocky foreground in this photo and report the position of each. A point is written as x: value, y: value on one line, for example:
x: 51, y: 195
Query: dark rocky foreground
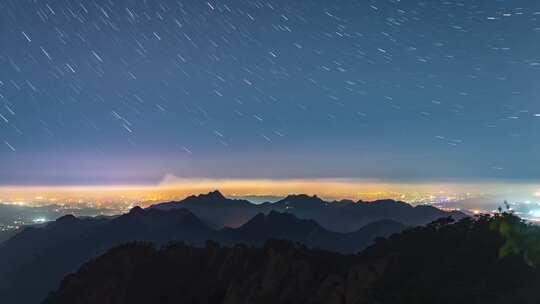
x: 442, y: 263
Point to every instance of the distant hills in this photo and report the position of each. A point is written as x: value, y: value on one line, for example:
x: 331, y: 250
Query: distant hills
x: 33, y: 261
x: 13, y: 216
x: 287, y: 226
x: 340, y: 216
x: 443, y: 262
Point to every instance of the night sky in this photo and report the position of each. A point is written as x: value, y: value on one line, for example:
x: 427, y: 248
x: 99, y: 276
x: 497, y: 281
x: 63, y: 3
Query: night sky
x: 127, y: 92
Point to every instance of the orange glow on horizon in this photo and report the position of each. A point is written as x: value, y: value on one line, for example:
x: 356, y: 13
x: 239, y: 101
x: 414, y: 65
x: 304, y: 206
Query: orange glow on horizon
x: 177, y: 188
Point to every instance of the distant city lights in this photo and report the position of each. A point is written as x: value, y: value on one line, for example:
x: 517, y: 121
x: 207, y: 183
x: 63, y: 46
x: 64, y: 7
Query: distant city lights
x: 40, y: 220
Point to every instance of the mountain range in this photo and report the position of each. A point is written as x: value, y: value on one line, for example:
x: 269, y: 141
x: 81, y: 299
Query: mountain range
x: 443, y: 262
x: 340, y: 216
x: 33, y: 261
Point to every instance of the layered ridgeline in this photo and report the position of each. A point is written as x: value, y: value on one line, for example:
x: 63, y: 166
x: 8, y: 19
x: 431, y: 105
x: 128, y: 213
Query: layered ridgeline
x: 341, y: 216
x: 443, y: 262
x: 33, y: 262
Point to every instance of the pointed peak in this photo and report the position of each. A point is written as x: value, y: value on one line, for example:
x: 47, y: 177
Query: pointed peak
x: 136, y: 210
x: 214, y: 195
x: 209, y: 198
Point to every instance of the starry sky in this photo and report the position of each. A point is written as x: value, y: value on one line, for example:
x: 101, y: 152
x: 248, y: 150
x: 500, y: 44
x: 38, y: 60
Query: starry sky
x: 131, y: 91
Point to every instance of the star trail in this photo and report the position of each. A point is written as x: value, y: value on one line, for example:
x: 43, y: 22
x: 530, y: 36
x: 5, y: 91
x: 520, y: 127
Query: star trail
x: 129, y: 92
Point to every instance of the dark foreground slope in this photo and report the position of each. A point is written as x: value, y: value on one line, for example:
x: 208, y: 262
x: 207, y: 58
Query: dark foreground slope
x: 440, y: 263
x: 280, y: 272
x: 34, y: 261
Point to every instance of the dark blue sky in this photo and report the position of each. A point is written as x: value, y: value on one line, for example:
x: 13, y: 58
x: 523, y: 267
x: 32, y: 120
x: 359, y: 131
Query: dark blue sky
x: 97, y: 92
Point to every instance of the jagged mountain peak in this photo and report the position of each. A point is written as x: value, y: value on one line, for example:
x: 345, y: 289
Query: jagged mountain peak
x: 136, y: 210
x: 213, y: 195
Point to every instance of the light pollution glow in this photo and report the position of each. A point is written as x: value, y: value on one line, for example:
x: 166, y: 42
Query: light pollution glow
x: 172, y: 188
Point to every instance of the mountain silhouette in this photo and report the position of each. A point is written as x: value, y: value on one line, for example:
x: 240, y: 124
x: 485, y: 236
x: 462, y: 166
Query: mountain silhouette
x: 215, y: 209
x: 287, y: 226
x: 443, y: 262
x: 34, y: 260
x: 341, y: 216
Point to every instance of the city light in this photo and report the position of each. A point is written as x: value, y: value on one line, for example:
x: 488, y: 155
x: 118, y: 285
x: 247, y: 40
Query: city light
x: 40, y: 220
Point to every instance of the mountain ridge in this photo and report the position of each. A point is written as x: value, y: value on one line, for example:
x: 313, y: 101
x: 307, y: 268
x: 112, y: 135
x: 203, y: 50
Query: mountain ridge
x: 38, y: 257
x: 443, y: 262
x: 339, y: 216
